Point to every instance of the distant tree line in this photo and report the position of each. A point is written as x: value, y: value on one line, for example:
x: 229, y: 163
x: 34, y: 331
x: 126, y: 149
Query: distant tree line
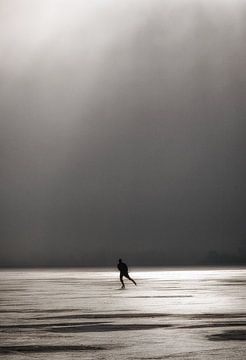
x: 215, y: 257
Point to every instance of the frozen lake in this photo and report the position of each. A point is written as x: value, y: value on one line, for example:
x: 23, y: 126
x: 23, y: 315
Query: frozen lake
x: 83, y: 314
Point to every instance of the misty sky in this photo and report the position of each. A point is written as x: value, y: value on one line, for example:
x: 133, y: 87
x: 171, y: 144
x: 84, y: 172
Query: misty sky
x: 122, y: 130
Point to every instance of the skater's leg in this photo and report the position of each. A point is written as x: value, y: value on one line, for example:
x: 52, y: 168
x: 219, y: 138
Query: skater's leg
x: 128, y: 277
x: 122, y: 282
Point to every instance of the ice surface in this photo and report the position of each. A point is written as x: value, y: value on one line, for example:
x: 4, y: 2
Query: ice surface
x: 83, y: 314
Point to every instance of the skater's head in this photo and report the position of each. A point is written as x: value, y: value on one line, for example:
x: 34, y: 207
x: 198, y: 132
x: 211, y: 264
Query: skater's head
x: 120, y: 260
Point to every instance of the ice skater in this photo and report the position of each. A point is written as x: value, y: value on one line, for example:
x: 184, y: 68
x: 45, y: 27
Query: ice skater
x: 124, y: 272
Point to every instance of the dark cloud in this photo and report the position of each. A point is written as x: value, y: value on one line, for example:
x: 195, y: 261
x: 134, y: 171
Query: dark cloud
x: 122, y: 131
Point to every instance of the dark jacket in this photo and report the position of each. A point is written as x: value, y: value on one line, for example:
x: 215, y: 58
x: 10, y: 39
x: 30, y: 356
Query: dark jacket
x: 123, y: 268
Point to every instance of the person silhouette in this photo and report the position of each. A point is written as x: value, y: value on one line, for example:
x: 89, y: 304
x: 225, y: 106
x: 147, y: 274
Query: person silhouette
x: 122, y: 267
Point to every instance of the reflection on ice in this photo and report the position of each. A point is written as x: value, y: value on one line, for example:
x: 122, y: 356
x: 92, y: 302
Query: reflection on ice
x: 172, y: 313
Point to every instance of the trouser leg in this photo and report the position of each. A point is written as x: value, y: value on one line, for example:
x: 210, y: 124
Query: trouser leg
x: 121, y: 280
x: 128, y: 277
